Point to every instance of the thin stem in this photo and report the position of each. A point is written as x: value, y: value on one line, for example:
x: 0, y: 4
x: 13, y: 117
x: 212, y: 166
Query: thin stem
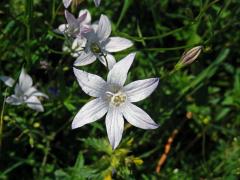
x: 28, y: 24
x: 169, y: 74
x: 1, y: 119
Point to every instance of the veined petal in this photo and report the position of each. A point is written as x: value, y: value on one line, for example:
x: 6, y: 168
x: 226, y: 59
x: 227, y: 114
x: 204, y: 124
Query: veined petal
x: 82, y: 18
x: 90, y: 112
x: 67, y: 3
x: 139, y: 90
x: 91, y: 84
x: 34, y: 92
x: 25, y: 81
x: 97, y: 2
x: 34, y: 103
x: 104, y: 28
x: 14, y: 100
x: 115, y: 44
x: 118, y: 74
x: 85, y: 59
x: 8, y: 81
x: 115, y: 126
x: 88, y: 18
x: 137, y: 117
x: 110, y: 61
x: 71, y: 20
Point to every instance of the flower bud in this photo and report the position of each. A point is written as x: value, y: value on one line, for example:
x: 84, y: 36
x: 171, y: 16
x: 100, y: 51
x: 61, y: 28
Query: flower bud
x: 189, y: 56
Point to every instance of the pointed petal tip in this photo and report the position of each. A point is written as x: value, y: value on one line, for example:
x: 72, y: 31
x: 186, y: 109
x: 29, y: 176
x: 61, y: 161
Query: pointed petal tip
x: 76, y: 70
x: 74, y: 125
x: 156, y: 126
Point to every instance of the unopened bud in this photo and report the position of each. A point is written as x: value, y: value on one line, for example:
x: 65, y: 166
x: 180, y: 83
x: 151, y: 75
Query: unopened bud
x: 189, y: 56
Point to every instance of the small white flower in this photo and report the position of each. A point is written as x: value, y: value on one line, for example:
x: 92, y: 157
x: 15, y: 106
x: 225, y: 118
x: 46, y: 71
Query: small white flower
x: 115, y: 99
x: 67, y: 3
x: 25, y: 93
x: 100, y: 45
x: 76, y: 27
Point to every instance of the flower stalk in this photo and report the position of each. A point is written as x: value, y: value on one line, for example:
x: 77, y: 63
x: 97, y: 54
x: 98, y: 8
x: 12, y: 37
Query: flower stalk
x: 1, y: 118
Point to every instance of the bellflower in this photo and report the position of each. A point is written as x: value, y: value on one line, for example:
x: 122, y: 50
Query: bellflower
x: 67, y: 3
x: 25, y: 93
x: 115, y: 99
x: 100, y: 45
x: 76, y: 27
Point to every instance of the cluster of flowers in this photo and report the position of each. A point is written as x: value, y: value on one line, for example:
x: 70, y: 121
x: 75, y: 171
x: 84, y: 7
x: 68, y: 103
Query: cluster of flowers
x: 89, y: 42
x: 92, y: 41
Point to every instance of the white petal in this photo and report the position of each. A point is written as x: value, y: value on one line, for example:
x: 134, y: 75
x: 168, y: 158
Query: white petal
x: 8, y: 81
x: 115, y: 44
x: 115, y: 126
x: 71, y: 20
x: 34, y: 103
x: 77, y: 46
x: 62, y: 28
x: 14, y: 100
x: 67, y: 3
x: 118, y: 74
x: 85, y: 29
x: 139, y: 90
x: 137, y: 117
x: 104, y: 28
x: 90, y: 112
x: 18, y: 91
x: 91, y: 84
x: 97, y: 2
x: 85, y: 59
x: 34, y: 92
x: 88, y: 18
x: 25, y: 81
x: 110, y: 60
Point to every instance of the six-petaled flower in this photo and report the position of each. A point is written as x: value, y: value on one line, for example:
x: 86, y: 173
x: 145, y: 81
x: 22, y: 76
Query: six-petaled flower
x: 99, y: 45
x: 26, y: 93
x: 115, y: 99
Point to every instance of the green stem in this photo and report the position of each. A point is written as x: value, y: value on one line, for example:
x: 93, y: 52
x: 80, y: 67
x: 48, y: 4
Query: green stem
x: 29, y: 15
x: 1, y: 119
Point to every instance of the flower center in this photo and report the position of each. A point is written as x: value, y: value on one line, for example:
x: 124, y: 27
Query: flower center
x: 117, y: 99
x: 95, y: 48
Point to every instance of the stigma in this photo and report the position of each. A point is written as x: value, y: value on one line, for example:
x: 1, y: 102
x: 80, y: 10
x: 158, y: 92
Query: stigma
x: 117, y: 99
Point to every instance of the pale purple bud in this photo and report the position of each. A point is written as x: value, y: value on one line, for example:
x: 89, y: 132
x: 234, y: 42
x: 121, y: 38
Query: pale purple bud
x: 191, y: 55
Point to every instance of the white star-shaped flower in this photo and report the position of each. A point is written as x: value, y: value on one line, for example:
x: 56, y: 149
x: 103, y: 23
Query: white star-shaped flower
x: 115, y: 99
x: 25, y: 93
x: 76, y: 27
x: 100, y: 45
x: 67, y: 3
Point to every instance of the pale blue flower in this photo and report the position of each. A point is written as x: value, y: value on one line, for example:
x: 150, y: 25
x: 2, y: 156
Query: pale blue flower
x: 26, y: 93
x: 115, y: 99
x: 100, y: 46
